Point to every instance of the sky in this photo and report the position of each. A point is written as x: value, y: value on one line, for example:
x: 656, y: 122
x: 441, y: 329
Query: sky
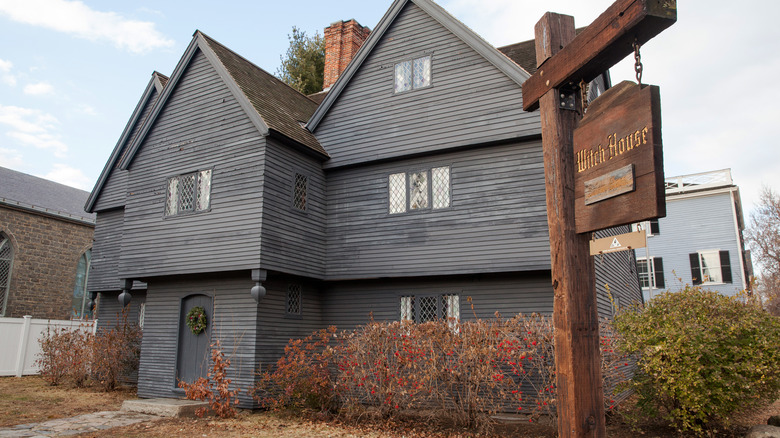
x: 71, y: 72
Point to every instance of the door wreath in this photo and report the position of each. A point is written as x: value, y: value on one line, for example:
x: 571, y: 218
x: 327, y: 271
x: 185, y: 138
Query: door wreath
x: 196, y: 319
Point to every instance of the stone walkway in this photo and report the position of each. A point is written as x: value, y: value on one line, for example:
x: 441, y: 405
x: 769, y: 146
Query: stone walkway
x: 75, y: 425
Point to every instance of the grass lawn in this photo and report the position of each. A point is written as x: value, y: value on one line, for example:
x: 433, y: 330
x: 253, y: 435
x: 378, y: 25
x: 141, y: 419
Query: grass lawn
x: 30, y: 400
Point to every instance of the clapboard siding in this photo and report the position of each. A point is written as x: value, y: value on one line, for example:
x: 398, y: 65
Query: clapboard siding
x: 109, y: 311
x: 275, y: 328
x: 104, y: 268
x: 497, y: 220
x: 353, y: 303
x: 114, y: 191
x: 234, y: 322
x: 617, y: 280
x: 693, y: 224
x: 469, y: 101
x: 293, y: 241
x: 201, y: 126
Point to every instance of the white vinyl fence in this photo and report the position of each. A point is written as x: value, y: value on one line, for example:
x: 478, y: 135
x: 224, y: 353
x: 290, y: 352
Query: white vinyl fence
x: 19, y: 347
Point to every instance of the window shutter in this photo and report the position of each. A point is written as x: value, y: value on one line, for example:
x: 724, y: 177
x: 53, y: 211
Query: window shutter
x: 725, y: 266
x: 658, y: 267
x: 695, y: 268
x: 654, y: 229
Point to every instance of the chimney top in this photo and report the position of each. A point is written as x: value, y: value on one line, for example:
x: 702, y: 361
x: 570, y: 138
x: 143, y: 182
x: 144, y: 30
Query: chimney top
x: 342, y: 41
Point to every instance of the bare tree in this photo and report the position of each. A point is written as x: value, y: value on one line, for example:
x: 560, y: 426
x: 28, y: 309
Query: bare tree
x: 763, y: 236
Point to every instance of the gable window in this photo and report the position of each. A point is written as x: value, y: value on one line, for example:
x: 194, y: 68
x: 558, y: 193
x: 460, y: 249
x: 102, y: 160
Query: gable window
x: 189, y: 192
x: 419, y: 190
x: 651, y: 227
x: 710, y: 267
x: 651, y: 273
x: 293, y: 299
x: 299, y: 191
x: 413, y: 74
x: 424, y: 308
x: 6, y: 263
x: 80, y: 308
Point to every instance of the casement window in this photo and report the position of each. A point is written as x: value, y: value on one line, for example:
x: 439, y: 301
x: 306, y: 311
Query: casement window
x: 651, y: 227
x: 651, y: 273
x: 6, y: 265
x: 293, y: 301
x: 710, y: 267
x: 188, y: 193
x: 300, y: 189
x: 80, y: 302
x: 413, y: 74
x: 141, y: 315
x: 419, y: 190
x: 424, y: 308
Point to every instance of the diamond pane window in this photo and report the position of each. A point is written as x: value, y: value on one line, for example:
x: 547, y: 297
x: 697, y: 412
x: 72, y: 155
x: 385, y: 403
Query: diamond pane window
x: 422, y: 72
x: 407, y: 308
x: 294, y: 299
x: 418, y: 190
x: 6, y: 263
x: 428, y: 309
x: 403, y: 76
x: 189, y: 192
x: 451, y: 305
x: 440, y: 178
x: 299, y: 191
x: 397, y: 192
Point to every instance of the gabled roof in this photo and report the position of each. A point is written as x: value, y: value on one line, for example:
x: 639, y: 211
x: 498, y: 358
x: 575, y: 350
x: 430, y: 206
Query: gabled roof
x: 498, y: 59
x: 29, y: 192
x: 273, y: 106
x: 524, y: 54
x: 154, y: 87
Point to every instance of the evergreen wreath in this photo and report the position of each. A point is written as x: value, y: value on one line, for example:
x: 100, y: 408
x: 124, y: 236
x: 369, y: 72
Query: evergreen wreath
x: 196, y: 319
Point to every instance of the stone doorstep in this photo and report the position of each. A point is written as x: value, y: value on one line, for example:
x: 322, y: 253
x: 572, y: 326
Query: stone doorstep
x: 164, y: 407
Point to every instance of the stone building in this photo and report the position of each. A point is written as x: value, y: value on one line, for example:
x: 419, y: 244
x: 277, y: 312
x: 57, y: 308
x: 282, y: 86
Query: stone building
x: 45, y: 248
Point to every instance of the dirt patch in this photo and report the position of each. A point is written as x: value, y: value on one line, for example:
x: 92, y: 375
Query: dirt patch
x: 31, y: 400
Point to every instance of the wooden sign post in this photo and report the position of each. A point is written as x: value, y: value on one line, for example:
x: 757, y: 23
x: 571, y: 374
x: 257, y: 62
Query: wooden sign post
x: 563, y: 62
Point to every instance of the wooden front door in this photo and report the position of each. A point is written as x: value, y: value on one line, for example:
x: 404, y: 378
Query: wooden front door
x: 192, y: 360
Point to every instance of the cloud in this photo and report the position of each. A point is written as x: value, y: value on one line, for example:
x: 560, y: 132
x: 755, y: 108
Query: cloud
x: 38, y: 89
x: 33, y: 127
x: 70, y: 176
x: 76, y: 18
x: 5, y: 66
x: 10, y: 158
x: 7, y: 77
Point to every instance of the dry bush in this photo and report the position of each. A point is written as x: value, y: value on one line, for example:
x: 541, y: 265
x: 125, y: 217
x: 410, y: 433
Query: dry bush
x: 215, y: 388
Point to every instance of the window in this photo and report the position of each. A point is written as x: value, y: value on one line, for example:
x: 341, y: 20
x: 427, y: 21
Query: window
x: 710, y: 267
x: 188, y: 193
x: 413, y: 74
x: 651, y: 227
x: 419, y: 190
x: 81, y: 308
x: 299, y: 191
x: 294, y: 299
x: 430, y: 307
x: 141, y: 315
x: 651, y: 273
x: 6, y: 263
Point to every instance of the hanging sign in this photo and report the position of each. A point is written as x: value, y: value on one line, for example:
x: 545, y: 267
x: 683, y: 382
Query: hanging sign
x: 618, y: 159
x: 622, y: 242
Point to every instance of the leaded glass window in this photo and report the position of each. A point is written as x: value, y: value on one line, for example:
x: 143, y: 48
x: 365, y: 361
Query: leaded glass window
x: 430, y: 307
x: 407, y: 308
x: 189, y: 192
x: 397, y: 192
x: 6, y: 263
x: 440, y: 178
x: 413, y: 74
x: 418, y: 190
x: 81, y: 308
x: 294, y: 299
x: 299, y: 191
x: 451, y: 309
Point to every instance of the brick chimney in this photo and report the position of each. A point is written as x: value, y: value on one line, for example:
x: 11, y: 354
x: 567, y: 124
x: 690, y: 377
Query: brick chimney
x: 342, y: 41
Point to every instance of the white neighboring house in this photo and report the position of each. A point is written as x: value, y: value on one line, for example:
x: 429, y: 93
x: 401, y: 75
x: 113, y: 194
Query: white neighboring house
x: 699, y: 242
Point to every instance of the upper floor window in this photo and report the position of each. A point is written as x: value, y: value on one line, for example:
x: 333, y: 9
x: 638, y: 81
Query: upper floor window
x: 188, y: 193
x: 6, y: 263
x: 651, y: 273
x: 651, y: 227
x: 710, y: 267
x: 81, y: 308
x: 413, y: 74
x: 300, y: 188
x: 419, y: 190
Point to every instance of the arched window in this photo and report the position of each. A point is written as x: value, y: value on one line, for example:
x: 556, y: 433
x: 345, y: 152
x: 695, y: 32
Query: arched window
x: 6, y: 263
x: 81, y: 309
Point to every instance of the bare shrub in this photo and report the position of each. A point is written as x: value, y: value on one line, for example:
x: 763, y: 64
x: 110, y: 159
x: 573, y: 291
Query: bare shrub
x: 215, y: 388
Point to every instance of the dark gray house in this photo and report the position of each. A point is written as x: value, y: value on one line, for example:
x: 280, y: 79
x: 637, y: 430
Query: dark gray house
x: 417, y: 182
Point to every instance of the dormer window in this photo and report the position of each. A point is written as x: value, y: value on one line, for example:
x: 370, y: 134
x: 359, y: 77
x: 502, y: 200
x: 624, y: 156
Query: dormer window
x: 190, y: 192
x: 413, y: 74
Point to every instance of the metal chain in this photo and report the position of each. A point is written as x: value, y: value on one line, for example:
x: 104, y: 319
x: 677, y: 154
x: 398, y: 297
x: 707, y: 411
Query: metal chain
x: 584, y: 89
x: 638, y: 61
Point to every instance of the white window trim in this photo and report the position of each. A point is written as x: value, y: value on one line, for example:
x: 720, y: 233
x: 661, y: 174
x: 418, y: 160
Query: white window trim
x: 650, y: 263
x: 701, y: 266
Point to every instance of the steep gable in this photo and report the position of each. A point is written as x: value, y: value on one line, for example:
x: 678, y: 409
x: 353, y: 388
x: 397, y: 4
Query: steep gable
x: 470, y: 100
